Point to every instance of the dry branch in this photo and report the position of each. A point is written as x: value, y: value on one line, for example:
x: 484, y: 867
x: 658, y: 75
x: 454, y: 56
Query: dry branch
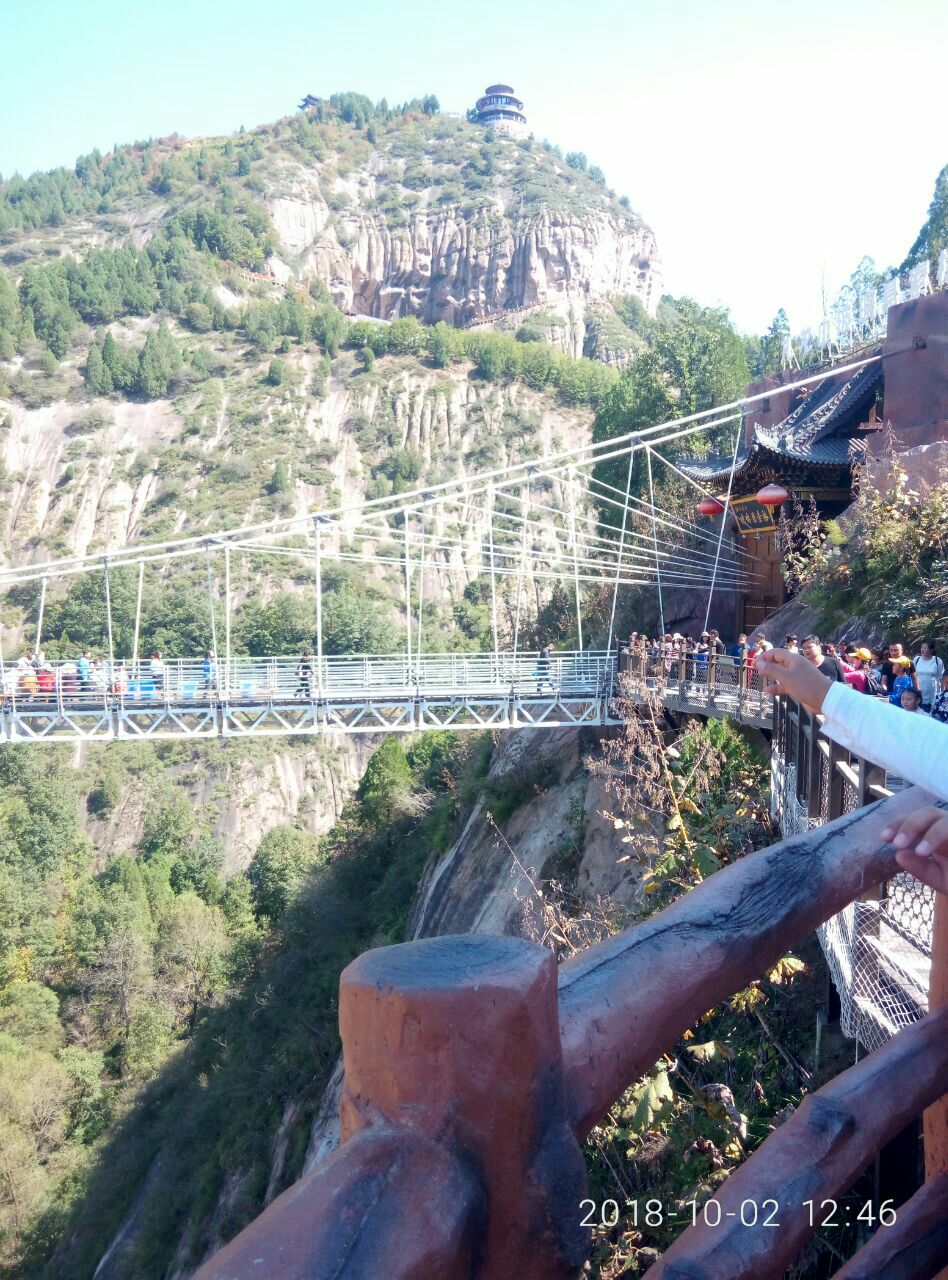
x: 816, y: 1155
x: 623, y: 1002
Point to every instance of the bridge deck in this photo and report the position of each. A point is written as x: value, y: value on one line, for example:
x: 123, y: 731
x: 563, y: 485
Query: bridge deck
x: 368, y: 694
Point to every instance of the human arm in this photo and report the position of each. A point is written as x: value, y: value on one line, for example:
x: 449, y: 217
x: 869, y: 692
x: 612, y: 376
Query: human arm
x: 915, y: 748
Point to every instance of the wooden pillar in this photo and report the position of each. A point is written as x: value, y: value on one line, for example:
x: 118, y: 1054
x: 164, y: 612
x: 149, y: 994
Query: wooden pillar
x: 835, y: 799
x: 457, y: 1040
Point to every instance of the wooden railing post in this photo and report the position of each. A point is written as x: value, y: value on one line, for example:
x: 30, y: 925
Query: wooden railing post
x: 457, y: 1039
x: 837, y: 755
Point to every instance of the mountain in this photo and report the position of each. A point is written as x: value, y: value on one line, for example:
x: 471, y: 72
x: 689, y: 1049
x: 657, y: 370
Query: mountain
x: 176, y: 355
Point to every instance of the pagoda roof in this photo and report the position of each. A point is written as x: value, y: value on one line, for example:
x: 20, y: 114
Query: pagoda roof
x: 822, y: 432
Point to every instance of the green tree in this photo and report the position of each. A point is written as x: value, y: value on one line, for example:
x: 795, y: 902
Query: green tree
x: 933, y: 236
x: 282, y: 859
x: 280, y: 480
x: 771, y: 345
x: 159, y: 363
x: 405, y: 336
x: 276, y: 374
x: 98, y: 378
x: 352, y: 624
x: 191, y: 954
x: 442, y: 344
x: 385, y: 783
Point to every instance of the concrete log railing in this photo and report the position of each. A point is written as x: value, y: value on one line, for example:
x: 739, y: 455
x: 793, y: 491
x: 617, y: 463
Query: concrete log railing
x: 473, y: 1071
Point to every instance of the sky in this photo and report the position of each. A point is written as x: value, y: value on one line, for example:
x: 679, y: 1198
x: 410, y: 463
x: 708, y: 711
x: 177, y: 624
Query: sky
x: 768, y: 145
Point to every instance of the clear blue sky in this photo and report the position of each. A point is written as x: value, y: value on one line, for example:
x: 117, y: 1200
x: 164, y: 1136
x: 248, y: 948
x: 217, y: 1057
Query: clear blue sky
x: 768, y: 145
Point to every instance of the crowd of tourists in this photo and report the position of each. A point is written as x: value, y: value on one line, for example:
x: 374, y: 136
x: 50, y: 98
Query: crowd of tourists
x: 32, y: 677
x: 918, y: 684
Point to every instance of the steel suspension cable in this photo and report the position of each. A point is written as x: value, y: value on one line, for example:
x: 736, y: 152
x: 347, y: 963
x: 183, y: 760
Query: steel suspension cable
x: 493, y: 583
x: 666, y: 542
x: 408, y: 651
x: 226, y: 682
x: 39, y: 617
x: 516, y: 519
x: 688, y: 527
x: 210, y: 599
x: 523, y: 558
x: 138, y: 613
x: 318, y: 540
x: 658, y: 568
x: 108, y: 616
x: 579, y: 610
x: 724, y: 516
x: 421, y: 586
x: 615, y: 590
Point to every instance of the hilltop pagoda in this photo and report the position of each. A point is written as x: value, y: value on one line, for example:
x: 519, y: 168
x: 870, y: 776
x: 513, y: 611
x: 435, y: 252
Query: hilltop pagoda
x: 501, y: 110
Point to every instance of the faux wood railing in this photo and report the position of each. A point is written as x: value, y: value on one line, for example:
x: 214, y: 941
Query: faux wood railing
x: 474, y: 1070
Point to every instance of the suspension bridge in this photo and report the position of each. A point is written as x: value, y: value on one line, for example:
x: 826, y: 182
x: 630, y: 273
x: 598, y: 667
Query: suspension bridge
x: 553, y: 521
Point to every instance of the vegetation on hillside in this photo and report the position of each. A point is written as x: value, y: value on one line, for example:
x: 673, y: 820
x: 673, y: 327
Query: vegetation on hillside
x: 149, y: 1004
x: 864, y: 566
x: 933, y: 235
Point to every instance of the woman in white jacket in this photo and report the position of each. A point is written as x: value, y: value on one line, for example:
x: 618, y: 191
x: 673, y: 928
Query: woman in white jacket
x: 913, y: 747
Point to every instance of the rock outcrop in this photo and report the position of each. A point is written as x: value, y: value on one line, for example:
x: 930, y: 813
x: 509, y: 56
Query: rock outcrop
x: 443, y: 264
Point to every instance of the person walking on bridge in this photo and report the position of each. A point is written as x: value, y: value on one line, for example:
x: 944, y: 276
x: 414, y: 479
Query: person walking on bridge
x: 304, y: 676
x: 156, y: 669
x: 543, y: 668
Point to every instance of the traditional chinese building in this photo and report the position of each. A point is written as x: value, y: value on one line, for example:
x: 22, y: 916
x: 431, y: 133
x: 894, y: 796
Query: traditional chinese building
x: 501, y: 110
x: 810, y: 439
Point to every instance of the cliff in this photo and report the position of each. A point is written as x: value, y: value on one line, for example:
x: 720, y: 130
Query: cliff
x: 464, y: 270
x: 441, y: 221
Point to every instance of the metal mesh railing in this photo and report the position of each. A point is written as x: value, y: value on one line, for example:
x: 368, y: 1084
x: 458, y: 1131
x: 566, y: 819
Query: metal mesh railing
x: 878, y: 949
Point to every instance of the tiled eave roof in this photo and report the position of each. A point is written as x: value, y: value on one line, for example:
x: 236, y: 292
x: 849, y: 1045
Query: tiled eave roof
x: 819, y: 434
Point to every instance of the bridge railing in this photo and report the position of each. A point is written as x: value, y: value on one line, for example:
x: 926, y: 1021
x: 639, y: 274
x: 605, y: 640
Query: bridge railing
x: 474, y: 1069
x: 288, y: 678
x: 719, y: 683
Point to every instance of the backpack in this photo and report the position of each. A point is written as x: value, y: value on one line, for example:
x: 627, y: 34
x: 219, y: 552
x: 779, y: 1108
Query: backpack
x: 874, y: 685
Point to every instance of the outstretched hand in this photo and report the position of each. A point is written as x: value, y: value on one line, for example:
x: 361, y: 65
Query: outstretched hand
x: 793, y: 675
x: 921, y: 844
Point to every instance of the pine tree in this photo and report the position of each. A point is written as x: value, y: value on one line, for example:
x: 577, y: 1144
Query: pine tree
x: 98, y: 377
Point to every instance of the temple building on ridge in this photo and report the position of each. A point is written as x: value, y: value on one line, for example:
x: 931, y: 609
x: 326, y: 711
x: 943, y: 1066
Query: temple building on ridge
x: 501, y: 110
x: 810, y: 440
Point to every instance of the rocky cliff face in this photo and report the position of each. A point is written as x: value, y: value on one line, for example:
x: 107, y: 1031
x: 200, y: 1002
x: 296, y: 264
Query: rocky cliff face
x: 464, y: 269
x: 485, y: 883
x: 98, y: 476
x: 442, y: 222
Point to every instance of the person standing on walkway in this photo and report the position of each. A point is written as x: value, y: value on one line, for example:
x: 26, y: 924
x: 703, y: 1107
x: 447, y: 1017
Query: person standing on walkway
x: 156, y: 669
x: 827, y: 664
x: 304, y: 676
x: 84, y: 666
x: 929, y: 669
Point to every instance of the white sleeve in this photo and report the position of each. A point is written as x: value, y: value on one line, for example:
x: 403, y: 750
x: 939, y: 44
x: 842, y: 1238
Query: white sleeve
x: 913, y: 747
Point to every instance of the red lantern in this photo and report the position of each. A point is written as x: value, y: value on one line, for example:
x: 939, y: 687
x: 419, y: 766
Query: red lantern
x: 772, y: 495
x: 710, y: 507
